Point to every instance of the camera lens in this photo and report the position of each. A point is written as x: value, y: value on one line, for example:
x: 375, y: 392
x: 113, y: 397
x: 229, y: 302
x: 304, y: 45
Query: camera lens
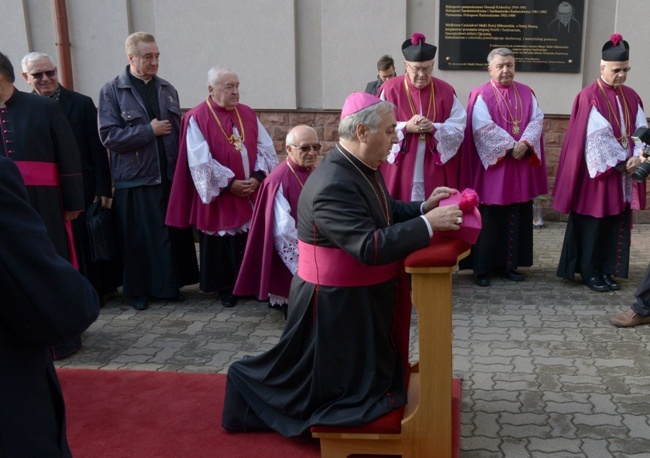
x: 641, y: 173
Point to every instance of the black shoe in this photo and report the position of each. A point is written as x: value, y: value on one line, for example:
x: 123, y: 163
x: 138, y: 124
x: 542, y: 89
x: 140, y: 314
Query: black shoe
x: 513, y: 275
x: 140, y: 303
x: 596, y: 284
x: 228, y: 300
x: 482, y: 280
x: 611, y: 283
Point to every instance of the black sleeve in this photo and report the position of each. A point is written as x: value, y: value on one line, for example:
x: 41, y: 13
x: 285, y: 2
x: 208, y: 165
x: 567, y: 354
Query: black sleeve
x: 44, y: 299
x: 98, y: 152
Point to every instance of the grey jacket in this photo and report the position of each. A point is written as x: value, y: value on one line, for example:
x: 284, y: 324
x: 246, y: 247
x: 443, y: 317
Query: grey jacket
x: 125, y: 129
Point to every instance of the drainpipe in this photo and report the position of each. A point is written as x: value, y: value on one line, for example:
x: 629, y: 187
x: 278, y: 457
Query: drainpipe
x: 63, y: 44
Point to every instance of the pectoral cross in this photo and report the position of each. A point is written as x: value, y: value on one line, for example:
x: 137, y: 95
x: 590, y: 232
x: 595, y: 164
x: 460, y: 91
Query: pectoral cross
x: 515, y: 128
x: 238, y: 143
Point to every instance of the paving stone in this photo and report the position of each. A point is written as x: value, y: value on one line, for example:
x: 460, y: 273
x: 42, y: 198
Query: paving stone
x: 554, y: 445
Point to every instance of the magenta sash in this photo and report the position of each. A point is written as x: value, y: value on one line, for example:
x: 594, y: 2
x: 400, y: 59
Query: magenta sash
x: 334, y: 267
x: 37, y: 173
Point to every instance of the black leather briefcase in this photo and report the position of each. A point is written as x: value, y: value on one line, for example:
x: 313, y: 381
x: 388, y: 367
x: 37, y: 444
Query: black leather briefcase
x: 101, y: 232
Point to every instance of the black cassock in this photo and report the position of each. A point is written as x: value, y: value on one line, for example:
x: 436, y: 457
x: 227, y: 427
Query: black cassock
x: 336, y: 362
x: 45, y: 302
x: 35, y: 130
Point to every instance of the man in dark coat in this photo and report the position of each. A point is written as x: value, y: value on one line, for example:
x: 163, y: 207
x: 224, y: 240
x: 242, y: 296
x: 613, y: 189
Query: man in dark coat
x: 41, y: 74
x: 139, y: 121
x: 38, y: 138
x: 45, y: 302
x: 342, y: 358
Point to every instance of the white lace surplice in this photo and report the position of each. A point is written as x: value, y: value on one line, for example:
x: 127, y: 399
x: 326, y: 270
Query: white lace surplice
x: 285, y: 238
x: 208, y: 175
x: 492, y: 141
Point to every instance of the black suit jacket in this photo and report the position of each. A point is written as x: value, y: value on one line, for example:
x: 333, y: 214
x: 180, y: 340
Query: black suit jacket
x: 44, y: 301
x: 81, y: 113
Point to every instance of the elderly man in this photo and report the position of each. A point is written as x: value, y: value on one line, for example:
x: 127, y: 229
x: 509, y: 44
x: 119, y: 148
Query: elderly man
x: 385, y: 71
x: 503, y: 160
x: 45, y: 302
x: 271, y: 256
x: 37, y: 137
x: 139, y: 121
x: 593, y: 182
x: 431, y: 124
x: 343, y: 354
x: 225, y: 153
x: 41, y: 74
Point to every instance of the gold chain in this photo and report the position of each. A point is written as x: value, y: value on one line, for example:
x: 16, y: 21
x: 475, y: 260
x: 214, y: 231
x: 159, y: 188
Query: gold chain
x: 302, y: 185
x: 233, y: 139
x: 626, y: 113
x: 383, y: 204
x: 518, y: 107
x: 432, y: 101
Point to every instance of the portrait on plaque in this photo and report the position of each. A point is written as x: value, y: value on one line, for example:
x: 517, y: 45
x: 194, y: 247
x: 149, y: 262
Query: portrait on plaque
x: 545, y: 35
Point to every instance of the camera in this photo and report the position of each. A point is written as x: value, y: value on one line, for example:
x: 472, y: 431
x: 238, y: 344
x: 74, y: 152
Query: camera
x: 641, y: 137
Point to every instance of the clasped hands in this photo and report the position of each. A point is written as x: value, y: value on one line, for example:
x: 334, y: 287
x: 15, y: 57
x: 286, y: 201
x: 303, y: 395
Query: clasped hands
x: 244, y: 188
x: 419, y: 124
x: 519, y: 150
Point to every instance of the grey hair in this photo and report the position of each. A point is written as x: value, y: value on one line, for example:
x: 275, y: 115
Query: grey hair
x: 291, y: 136
x: 131, y: 43
x: 500, y: 52
x: 370, y: 117
x: 34, y: 56
x: 217, y: 72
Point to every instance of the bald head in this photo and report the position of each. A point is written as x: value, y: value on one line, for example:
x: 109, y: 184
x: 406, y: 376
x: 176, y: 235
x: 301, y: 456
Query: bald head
x: 303, y: 146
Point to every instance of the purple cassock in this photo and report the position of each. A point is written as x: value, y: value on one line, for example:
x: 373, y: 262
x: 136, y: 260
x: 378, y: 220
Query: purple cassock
x: 271, y: 255
x: 586, y: 181
x: 598, y: 198
x: 437, y: 102
x: 486, y: 167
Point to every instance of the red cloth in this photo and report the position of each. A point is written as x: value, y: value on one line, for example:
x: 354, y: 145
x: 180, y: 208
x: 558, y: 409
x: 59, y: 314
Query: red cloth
x: 470, y: 228
x: 399, y: 176
x: 226, y: 211
x: 574, y: 190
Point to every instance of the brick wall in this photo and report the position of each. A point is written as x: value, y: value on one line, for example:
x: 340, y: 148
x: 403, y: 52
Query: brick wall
x: 279, y: 123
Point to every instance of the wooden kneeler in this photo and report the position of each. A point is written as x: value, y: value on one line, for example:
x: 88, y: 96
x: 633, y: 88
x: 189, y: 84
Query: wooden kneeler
x: 425, y: 428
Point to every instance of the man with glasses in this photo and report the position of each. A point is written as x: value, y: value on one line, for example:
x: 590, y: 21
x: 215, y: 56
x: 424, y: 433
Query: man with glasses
x: 593, y: 182
x: 225, y: 154
x: 271, y: 256
x: 41, y: 74
x: 37, y: 137
x: 430, y: 124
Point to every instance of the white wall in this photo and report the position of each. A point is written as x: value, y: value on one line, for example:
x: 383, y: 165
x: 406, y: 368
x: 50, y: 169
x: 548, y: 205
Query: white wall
x: 290, y: 53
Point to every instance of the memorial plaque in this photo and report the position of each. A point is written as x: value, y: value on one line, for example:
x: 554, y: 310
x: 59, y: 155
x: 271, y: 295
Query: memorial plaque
x: 545, y: 35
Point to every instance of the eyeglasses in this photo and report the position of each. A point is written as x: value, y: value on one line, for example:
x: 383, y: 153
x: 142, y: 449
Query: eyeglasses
x: 39, y: 75
x: 307, y: 148
x: 619, y: 70
x: 423, y: 70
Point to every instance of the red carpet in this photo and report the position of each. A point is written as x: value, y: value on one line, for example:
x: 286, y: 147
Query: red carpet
x: 129, y: 414
x: 146, y: 414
